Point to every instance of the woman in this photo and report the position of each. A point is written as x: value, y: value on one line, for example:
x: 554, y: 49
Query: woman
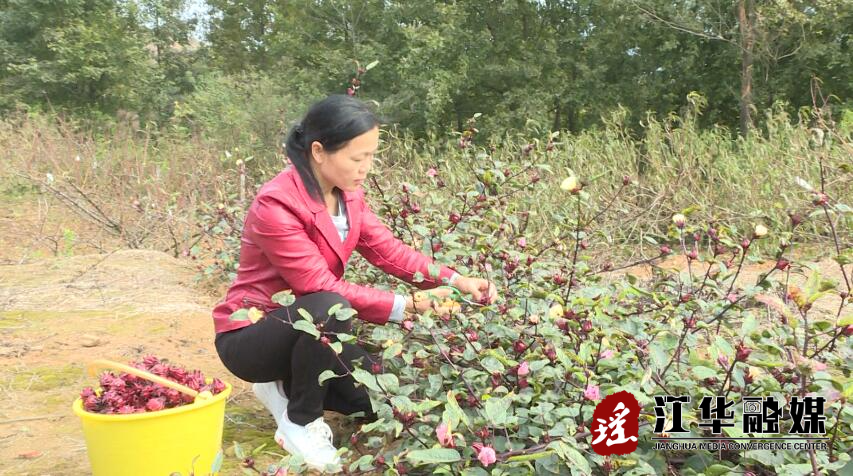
x: 299, y: 233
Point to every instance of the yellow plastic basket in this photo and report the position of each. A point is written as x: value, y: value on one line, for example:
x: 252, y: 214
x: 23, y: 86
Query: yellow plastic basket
x: 184, y: 440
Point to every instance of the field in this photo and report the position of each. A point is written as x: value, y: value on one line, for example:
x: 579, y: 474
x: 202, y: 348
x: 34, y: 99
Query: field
x: 649, y: 273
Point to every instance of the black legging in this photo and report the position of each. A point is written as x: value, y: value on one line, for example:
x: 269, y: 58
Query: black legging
x: 271, y: 349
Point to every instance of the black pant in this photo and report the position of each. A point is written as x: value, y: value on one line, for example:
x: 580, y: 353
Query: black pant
x: 271, y: 349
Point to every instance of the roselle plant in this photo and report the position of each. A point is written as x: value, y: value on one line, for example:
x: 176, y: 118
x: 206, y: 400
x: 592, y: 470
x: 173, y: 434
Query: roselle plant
x: 124, y: 393
x: 510, y: 388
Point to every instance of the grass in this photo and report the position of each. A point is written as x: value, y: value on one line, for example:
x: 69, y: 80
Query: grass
x: 45, y: 378
x: 153, y: 190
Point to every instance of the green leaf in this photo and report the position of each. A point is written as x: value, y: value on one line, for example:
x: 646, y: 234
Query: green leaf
x: 392, y: 351
x: 366, y: 378
x: 337, y: 347
x: 452, y: 412
x: 530, y: 456
x: 724, y: 347
x: 433, y: 456
x: 344, y: 337
x: 217, y: 462
x: 704, y: 372
x: 307, y: 327
x: 285, y: 298
x: 238, y: 451
x: 305, y: 315
x: 335, y: 308
x: 497, y: 410
x: 572, y: 456
x: 326, y: 375
x: 239, y: 315
x: 389, y: 382
x: 492, y: 364
x: 371, y: 65
x: 474, y: 472
x: 717, y: 470
x: 748, y: 326
x: 658, y: 355
x: 345, y: 314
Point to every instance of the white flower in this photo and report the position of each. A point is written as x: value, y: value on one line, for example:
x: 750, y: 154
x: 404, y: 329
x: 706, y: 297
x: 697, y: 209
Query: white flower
x: 679, y: 220
x: 760, y: 230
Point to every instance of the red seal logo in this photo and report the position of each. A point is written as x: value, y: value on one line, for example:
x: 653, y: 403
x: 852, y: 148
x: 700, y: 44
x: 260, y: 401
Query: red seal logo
x: 615, y: 425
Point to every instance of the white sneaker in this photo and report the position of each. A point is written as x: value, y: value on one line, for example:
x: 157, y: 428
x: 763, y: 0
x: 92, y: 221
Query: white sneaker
x: 271, y: 394
x: 312, y: 441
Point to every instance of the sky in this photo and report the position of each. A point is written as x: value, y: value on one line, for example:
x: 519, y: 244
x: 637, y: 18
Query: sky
x: 198, y: 8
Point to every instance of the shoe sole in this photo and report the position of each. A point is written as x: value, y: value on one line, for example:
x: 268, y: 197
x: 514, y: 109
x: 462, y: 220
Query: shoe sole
x: 282, y: 441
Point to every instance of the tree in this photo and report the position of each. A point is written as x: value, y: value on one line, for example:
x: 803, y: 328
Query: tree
x: 86, y: 54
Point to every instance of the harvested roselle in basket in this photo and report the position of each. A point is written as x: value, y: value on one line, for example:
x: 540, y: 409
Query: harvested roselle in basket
x: 122, y: 393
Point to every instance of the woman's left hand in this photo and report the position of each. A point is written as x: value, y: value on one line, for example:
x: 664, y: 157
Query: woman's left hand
x: 483, y: 291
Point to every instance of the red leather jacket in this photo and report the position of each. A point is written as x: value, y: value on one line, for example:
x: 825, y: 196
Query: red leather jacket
x: 290, y: 242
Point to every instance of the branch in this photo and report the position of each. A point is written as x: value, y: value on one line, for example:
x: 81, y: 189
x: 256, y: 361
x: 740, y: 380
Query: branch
x: 684, y: 29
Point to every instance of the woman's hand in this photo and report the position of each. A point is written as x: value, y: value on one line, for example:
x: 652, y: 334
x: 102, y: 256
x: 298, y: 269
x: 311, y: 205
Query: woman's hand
x: 483, y: 291
x: 436, y: 299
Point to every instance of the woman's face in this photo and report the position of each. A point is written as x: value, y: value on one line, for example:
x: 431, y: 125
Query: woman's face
x: 345, y: 168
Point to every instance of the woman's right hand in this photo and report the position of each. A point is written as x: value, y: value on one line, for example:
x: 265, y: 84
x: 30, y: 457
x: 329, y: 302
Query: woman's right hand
x: 435, y: 299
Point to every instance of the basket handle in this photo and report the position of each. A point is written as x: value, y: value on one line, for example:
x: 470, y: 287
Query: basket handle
x: 109, y: 364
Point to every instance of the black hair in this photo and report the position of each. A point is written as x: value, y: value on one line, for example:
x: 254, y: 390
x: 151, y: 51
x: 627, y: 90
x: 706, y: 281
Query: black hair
x: 333, y: 122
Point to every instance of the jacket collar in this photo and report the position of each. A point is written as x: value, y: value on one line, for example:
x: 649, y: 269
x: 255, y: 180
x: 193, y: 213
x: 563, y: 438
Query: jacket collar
x: 323, y: 220
x: 309, y: 201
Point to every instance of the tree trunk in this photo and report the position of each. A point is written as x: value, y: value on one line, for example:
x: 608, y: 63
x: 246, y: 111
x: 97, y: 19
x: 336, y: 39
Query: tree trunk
x: 745, y: 15
x: 571, y: 118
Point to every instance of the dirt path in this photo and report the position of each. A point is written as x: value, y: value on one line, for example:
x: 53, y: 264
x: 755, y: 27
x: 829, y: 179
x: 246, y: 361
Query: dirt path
x: 59, y: 312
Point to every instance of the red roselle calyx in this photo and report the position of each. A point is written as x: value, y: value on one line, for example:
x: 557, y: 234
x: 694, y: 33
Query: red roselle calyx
x: 551, y: 353
x: 796, y: 219
x: 742, y: 352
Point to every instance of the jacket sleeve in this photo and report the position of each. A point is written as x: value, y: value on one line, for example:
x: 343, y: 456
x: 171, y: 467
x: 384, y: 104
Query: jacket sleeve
x: 282, y: 237
x: 382, y: 249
